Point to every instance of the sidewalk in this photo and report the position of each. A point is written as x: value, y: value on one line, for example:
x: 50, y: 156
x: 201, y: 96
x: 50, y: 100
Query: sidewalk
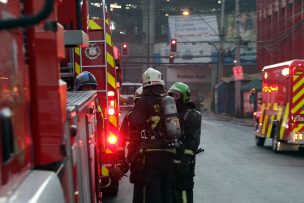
x: 228, y: 118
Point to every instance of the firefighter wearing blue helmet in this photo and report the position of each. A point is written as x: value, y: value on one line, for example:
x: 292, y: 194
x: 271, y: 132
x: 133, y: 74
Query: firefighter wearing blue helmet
x: 85, y: 81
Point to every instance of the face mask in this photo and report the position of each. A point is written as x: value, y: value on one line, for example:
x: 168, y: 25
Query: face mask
x: 179, y: 104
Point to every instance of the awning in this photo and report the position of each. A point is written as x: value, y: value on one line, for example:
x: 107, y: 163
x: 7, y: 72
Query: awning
x: 256, y: 83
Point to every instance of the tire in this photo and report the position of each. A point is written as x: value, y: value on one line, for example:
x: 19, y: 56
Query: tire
x: 112, y: 190
x: 259, y: 141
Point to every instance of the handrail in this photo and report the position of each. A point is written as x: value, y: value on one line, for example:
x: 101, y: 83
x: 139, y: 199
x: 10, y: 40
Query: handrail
x: 28, y: 20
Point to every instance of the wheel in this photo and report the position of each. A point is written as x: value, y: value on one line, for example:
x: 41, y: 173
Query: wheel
x: 259, y: 141
x: 112, y: 190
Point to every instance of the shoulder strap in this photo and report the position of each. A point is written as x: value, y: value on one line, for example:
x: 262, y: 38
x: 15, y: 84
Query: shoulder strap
x: 198, y: 114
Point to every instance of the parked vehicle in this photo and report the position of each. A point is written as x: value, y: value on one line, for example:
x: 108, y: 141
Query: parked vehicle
x: 127, y: 91
x: 282, y: 113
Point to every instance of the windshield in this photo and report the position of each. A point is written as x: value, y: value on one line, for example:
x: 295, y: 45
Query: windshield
x: 128, y: 90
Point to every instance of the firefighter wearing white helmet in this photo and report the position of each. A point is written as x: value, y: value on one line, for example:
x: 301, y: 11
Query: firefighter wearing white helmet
x: 126, y: 134
x: 133, y: 155
x: 138, y: 93
x: 152, y: 77
x: 156, y: 150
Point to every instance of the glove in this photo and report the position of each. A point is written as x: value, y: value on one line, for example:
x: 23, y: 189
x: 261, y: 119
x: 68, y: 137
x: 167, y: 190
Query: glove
x: 179, y: 151
x: 116, y: 173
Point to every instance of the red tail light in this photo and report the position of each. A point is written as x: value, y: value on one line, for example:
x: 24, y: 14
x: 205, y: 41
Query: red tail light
x: 112, y: 139
x: 111, y: 106
x: 111, y: 93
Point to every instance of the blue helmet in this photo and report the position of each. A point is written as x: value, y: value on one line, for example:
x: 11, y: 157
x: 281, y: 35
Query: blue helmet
x: 84, y: 78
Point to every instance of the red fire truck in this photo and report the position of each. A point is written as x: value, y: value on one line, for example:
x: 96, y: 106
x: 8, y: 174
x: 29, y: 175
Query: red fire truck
x: 51, y: 144
x: 100, y: 58
x: 282, y: 110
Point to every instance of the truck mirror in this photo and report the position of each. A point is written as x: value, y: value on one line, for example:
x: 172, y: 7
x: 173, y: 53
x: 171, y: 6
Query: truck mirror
x: 73, y: 130
x: 119, y: 75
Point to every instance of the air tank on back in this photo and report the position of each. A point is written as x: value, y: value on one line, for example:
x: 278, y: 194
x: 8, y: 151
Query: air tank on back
x: 171, y: 117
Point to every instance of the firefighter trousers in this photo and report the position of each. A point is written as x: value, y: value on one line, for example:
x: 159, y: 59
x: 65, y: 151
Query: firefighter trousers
x: 158, y: 177
x: 184, y: 180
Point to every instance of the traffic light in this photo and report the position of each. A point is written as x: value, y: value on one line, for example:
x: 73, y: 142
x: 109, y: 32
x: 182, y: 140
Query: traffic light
x: 171, y: 58
x: 173, y: 43
x: 124, y: 48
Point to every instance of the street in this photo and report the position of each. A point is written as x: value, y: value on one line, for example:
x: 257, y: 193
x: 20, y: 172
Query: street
x: 233, y: 169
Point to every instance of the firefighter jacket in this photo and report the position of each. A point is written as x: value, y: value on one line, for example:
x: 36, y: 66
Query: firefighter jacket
x: 190, y: 120
x: 133, y: 137
x: 147, y: 118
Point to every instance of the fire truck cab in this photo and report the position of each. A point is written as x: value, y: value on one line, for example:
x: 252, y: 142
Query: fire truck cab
x: 282, y: 110
x: 51, y: 143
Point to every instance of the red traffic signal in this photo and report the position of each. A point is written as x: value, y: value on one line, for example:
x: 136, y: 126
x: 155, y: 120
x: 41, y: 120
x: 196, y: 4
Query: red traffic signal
x: 124, y: 48
x: 238, y: 72
x: 171, y: 58
x: 173, y: 44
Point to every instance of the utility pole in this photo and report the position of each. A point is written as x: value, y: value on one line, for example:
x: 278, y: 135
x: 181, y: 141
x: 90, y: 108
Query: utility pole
x: 237, y: 90
x: 221, y: 45
x: 149, y: 12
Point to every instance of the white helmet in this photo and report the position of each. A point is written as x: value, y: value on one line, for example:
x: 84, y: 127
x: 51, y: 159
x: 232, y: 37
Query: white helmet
x: 138, y: 93
x: 152, y: 77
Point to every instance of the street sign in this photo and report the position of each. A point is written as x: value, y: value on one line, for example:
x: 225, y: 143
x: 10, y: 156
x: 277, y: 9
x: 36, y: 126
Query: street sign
x: 238, y: 73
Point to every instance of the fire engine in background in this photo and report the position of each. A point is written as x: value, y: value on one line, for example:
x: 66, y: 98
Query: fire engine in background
x: 50, y: 142
x: 100, y: 58
x: 282, y: 110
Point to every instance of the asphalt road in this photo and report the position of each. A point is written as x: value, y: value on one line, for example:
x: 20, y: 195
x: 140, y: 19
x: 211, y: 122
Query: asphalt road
x: 233, y: 169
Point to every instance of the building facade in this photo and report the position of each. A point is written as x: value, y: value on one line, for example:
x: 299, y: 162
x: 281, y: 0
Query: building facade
x: 280, y: 31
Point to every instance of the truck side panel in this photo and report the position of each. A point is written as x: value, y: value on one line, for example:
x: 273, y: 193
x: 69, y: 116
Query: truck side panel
x: 84, y: 144
x: 46, y: 112
x: 275, y: 99
x: 297, y: 102
x: 15, y: 136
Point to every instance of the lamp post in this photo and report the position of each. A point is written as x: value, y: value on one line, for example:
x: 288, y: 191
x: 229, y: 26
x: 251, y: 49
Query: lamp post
x: 237, y: 106
x: 220, y: 48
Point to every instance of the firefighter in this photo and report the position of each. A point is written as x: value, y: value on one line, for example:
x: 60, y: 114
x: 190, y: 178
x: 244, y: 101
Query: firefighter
x: 85, y: 81
x: 190, y: 121
x: 125, y: 129
x: 158, y: 154
x: 134, y: 155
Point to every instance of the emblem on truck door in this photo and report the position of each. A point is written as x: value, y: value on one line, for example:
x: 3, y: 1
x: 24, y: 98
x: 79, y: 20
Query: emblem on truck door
x: 92, y: 51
